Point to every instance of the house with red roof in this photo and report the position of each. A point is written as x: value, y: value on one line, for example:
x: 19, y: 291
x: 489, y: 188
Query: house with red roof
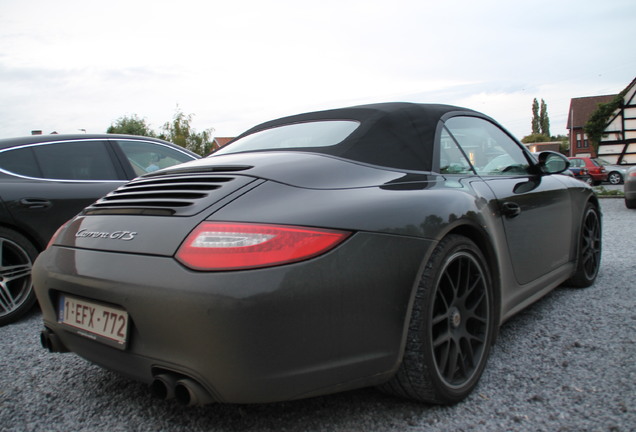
x: 219, y: 142
x: 580, y: 111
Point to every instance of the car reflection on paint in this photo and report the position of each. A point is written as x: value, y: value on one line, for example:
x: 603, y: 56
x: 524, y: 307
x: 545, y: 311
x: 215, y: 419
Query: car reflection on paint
x: 375, y: 245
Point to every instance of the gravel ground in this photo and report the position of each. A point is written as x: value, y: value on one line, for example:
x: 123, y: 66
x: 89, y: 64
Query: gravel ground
x: 565, y: 364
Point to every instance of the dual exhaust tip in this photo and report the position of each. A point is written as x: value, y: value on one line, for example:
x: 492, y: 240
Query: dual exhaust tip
x: 164, y: 386
x: 186, y: 391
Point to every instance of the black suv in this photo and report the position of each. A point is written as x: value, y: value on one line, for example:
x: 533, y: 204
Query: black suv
x: 47, y: 179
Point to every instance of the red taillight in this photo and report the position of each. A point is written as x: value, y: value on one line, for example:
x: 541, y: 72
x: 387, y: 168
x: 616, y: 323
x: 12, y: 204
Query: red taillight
x: 631, y: 174
x: 232, y: 246
x: 57, y: 233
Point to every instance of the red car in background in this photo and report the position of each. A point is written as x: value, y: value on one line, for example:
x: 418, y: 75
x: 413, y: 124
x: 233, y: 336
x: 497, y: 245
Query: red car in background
x: 596, y: 171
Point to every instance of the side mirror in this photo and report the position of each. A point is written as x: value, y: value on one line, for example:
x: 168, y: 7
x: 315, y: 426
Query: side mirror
x: 553, y: 163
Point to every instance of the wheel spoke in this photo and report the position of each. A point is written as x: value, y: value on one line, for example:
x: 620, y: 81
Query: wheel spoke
x: 477, y: 321
x: 451, y: 365
x: 440, y: 318
x: 11, y: 273
x: 468, y: 357
x: 458, y: 280
x: 448, y: 295
x: 7, y: 302
x: 441, y: 354
x: 473, y: 311
x: 442, y: 339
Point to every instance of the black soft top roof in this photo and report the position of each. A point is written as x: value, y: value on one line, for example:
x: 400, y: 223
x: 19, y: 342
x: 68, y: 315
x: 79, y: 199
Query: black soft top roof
x: 397, y: 135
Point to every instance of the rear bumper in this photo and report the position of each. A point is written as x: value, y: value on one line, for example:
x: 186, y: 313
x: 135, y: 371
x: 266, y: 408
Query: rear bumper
x: 599, y: 176
x: 332, y: 323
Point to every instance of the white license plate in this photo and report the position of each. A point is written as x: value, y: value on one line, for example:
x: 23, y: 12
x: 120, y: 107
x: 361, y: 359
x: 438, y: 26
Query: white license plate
x: 94, y: 320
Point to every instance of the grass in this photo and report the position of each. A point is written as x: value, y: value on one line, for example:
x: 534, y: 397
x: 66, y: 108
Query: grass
x: 609, y: 193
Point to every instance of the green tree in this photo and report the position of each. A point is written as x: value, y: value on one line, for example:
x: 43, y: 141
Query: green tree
x: 595, y: 126
x: 536, y: 123
x: 180, y: 132
x: 534, y: 138
x: 131, y: 125
x: 544, y: 120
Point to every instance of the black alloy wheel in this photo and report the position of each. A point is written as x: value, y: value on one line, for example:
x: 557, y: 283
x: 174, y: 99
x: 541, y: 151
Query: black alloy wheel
x: 452, y: 326
x: 16, y: 291
x: 459, y: 319
x: 589, y: 249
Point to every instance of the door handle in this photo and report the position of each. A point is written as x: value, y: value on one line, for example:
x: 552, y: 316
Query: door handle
x: 510, y: 209
x: 35, y: 203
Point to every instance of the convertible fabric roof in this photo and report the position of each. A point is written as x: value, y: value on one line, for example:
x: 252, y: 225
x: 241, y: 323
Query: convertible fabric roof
x: 397, y: 135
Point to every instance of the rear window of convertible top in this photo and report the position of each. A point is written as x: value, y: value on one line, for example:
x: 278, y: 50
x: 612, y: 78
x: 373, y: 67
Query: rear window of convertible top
x: 294, y: 136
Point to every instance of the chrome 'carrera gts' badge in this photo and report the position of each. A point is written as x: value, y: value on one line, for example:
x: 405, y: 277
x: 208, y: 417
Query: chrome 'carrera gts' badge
x: 115, y: 235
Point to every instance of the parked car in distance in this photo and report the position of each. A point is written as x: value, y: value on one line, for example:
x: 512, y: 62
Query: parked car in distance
x: 372, y: 245
x: 615, y: 173
x: 630, y: 188
x: 47, y: 179
x: 595, y: 170
x: 580, y: 174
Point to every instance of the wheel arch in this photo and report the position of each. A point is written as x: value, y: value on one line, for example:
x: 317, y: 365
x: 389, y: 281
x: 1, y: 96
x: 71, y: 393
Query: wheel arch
x: 26, y: 234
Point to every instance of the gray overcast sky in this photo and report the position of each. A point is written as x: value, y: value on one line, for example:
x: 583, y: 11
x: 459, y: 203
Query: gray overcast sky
x: 67, y: 65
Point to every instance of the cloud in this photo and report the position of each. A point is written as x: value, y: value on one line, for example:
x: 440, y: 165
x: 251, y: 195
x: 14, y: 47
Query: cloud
x: 73, y: 64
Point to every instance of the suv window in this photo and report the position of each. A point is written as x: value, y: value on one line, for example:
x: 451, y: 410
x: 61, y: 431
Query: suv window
x: 490, y: 150
x: 147, y: 157
x: 73, y: 160
x: 20, y: 161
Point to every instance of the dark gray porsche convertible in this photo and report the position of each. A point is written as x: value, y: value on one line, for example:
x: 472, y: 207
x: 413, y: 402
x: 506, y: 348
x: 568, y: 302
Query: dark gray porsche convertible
x: 378, y: 245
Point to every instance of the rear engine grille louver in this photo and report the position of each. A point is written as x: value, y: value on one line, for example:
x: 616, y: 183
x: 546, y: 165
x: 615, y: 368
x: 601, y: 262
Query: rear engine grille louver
x: 179, y: 194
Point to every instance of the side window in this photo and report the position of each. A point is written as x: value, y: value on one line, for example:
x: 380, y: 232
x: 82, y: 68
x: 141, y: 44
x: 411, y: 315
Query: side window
x: 452, y: 160
x: 20, y: 161
x: 490, y: 150
x: 147, y: 157
x: 80, y: 160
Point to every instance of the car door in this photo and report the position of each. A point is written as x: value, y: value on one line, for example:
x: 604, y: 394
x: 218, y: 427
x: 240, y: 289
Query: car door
x: 534, y: 208
x: 55, y: 181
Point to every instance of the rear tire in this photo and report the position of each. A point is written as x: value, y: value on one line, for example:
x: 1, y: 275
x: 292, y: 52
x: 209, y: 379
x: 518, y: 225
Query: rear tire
x: 630, y: 203
x: 589, y: 249
x: 16, y: 288
x: 451, y: 329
